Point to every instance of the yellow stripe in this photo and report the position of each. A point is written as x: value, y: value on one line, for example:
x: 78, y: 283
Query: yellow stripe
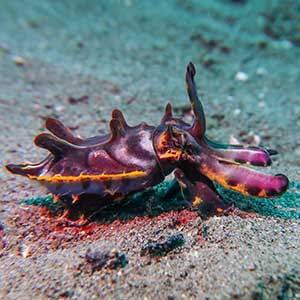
x: 197, y: 201
x: 175, y: 154
x: 221, y: 179
x: 85, y: 177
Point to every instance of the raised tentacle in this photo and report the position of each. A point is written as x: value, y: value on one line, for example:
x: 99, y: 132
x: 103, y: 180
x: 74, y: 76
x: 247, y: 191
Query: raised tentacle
x: 241, y: 179
x: 239, y: 154
x: 198, y: 127
x: 62, y: 132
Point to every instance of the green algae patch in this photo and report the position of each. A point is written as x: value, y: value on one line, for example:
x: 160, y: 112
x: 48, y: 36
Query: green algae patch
x: 44, y: 201
x: 286, y: 206
x: 153, y: 202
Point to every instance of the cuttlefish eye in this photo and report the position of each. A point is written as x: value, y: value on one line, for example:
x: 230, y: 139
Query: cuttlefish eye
x: 171, y: 151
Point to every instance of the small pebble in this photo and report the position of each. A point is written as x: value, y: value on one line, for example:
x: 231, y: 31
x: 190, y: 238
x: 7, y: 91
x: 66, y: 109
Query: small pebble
x: 261, y: 71
x: 261, y: 104
x: 241, y: 76
x: 19, y: 61
x: 233, y: 140
x: 236, y: 112
x: 256, y: 139
x: 252, y: 267
x: 59, y: 108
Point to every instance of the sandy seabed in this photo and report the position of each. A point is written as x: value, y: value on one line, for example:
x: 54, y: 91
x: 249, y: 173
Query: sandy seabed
x: 132, y: 55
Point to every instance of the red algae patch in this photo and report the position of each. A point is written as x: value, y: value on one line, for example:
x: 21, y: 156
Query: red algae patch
x: 37, y: 231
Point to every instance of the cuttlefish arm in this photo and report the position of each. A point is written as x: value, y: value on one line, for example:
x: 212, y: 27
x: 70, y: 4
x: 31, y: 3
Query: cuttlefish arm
x: 239, y: 178
x: 251, y: 155
x: 199, y: 192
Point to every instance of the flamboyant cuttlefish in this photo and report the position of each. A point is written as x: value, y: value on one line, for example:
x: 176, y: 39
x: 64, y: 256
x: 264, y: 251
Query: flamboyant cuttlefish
x: 131, y: 159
